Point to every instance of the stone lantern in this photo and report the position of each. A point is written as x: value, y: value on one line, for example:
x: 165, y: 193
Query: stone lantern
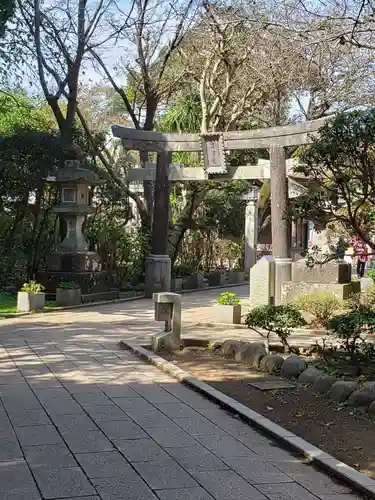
x: 75, y: 187
x: 71, y: 259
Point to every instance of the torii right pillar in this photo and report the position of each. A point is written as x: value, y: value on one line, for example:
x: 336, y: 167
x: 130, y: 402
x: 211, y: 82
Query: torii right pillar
x: 281, y: 250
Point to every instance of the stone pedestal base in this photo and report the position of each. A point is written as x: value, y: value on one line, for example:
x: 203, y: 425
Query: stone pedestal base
x: 81, y: 267
x: 342, y: 291
x: 73, y: 261
x: 283, y: 274
x: 158, y: 275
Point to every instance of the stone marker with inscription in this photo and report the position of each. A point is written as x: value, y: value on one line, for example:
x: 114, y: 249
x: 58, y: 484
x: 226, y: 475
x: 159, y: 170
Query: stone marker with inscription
x: 334, y: 277
x: 262, y: 282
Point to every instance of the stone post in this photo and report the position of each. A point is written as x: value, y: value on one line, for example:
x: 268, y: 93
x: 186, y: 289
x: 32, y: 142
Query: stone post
x: 280, y: 225
x: 158, y: 265
x: 251, y: 233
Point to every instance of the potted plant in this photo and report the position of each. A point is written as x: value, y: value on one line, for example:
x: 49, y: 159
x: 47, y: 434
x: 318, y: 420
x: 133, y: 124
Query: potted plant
x: 228, y: 309
x: 31, y: 297
x: 68, y: 293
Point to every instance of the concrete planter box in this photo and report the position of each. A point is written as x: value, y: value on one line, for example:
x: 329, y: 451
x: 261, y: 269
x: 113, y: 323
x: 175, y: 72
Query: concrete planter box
x: 236, y: 277
x: 27, y: 301
x: 200, y: 281
x: 228, y: 314
x: 190, y: 282
x: 217, y: 278
x: 176, y: 284
x: 240, y: 276
x: 68, y: 296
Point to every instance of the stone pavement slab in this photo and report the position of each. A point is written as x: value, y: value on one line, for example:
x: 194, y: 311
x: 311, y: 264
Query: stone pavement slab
x: 184, y: 494
x: 226, y: 484
x: 51, y: 456
x: 125, y: 429
x: 87, y: 441
x: 9, y: 449
x: 197, y: 458
x: 104, y: 464
x: 28, y: 418
x: 141, y: 450
x: 164, y: 474
x: 62, y: 483
x: 93, y: 422
x: 105, y: 413
x: 38, y: 435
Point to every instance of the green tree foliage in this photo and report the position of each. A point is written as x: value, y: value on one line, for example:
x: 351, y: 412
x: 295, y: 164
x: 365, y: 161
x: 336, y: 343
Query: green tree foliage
x: 19, y: 111
x: 30, y: 150
x: 340, y: 165
x: 7, y: 8
x: 269, y: 319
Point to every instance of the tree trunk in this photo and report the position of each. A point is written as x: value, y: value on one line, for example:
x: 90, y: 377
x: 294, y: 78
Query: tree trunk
x: 178, y: 230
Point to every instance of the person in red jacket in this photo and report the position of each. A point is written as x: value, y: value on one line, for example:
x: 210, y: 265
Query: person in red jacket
x: 361, y: 254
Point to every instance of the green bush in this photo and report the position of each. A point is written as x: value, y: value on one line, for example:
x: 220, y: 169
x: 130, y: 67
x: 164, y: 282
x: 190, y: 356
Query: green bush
x: 182, y: 271
x: 362, y: 302
x: 350, y: 329
x: 32, y: 287
x: 321, y: 304
x: 366, y: 352
x: 371, y: 274
x: 68, y: 285
x: 279, y: 320
x: 228, y: 299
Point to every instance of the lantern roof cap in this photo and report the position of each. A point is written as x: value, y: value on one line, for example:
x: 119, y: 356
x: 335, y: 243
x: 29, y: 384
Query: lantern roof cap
x: 73, y: 171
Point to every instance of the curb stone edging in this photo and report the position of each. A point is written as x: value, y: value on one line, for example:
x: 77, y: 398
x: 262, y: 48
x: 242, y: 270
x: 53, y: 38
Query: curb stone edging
x: 325, y: 461
x: 69, y: 308
x: 216, y: 287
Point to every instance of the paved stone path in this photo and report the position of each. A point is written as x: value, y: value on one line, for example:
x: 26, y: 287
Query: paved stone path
x: 132, y: 320
x: 80, y: 420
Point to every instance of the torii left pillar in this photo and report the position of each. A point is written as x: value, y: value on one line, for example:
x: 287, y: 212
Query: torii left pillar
x: 158, y: 264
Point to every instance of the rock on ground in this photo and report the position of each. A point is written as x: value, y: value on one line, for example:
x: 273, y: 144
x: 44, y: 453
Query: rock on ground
x: 309, y: 375
x: 271, y: 363
x: 323, y: 383
x: 371, y: 408
x: 293, y: 366
x: 342, y: 389
x: 230, y: 347
x: 363, y: 396
x: 250, y: 353
x: 259, y: 352
x: 243, y: 352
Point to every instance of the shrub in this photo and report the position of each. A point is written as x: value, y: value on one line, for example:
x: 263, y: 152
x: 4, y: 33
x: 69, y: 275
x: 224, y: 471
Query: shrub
x: 68, y: 285
x: 321, y: 304
x: 32, y: 287
x: 228, y: 299
x: 350, y: 328
x: 362, y: 302
x: 371, y: 274
x: 274, y: 319
x: 182, y: 271
x: 366, y: 352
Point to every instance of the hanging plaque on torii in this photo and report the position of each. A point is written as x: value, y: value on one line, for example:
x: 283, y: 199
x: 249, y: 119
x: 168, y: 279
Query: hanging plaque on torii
x: 213, y: 153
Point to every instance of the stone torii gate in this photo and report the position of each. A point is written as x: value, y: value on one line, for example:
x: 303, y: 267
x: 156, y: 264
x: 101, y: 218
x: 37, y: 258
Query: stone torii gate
x: 213, y: 146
